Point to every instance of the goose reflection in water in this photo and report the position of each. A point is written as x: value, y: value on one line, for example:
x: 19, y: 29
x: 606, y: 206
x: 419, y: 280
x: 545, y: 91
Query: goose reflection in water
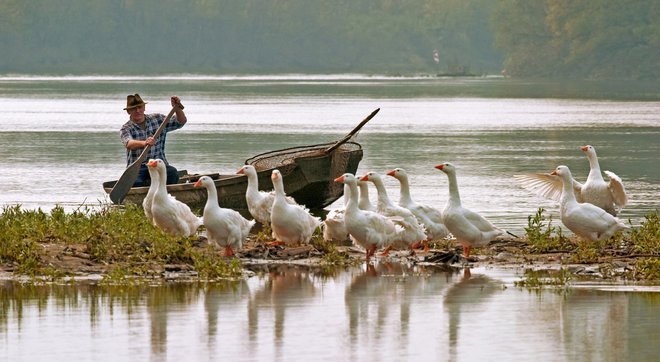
x: 365, y: 292
x: 285, y: 287
x: 379, y: 291
x: 467, y: 296
x: 159, y: 302
x: 222, y: 298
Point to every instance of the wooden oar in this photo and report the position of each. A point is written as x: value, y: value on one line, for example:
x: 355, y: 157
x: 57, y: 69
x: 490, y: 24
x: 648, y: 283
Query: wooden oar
x: 129, y: 176
x: 350, y: 134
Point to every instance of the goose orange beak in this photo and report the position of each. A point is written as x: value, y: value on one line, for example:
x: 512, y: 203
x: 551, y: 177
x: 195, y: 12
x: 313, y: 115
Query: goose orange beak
x: 584, y: 148
x: 241, y: 171
x: 340, y: 179
x: 364, y: 178
x: 198, y: 183
x: 440, y: 167
x: 152, y: 163
x: 391, y: 173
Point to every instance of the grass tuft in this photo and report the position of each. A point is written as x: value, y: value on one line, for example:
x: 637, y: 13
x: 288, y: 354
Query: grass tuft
x: 544, y: 237
x: 646, y: 238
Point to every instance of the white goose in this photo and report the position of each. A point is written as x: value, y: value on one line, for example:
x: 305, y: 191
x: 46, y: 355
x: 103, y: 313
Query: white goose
x: 414, y: 232
x: 427, y: 215
x: 469, y: 228
x: 609, y: 196
x: 584, y: 219
x: 364, y: 203
x: 169, y: 214
x: 368, y: 229
x: 291, y: 224
x: 259, y: 202
x: 334, y: 227
x: 148, y: 200
x: 225, y: 227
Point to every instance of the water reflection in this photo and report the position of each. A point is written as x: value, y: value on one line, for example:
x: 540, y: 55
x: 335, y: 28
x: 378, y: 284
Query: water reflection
x: 384, y: 301
x: 220, y: 300
x: 467, y: 296
x: 584, y: 318
x: 381, y: 311
x: 284, y: 287
x: 622, y: 323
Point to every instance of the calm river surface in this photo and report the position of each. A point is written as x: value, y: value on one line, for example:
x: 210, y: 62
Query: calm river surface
x: 388, y: 312
x: 60, y: 141
x: 60, y: 136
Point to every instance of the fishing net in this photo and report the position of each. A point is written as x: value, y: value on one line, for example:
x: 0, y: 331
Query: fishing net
x: 287, y: 157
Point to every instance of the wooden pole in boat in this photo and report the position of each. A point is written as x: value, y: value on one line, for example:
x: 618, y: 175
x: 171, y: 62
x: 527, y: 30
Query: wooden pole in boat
x: 353, y: 132
x: 127, y: 179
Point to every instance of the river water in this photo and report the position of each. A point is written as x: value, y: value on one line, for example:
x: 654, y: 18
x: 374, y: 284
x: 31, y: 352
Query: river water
x: 60, y: 141
x: 60, y: 136
x: 387, y: 312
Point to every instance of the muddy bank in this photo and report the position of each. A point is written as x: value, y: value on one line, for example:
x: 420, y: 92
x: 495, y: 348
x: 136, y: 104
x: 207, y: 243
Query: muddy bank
x: 72, y: 260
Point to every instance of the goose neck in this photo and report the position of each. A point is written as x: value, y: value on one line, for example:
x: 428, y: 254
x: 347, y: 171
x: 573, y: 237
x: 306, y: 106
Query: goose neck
x: 161, y: 190
x: 594, y: 166
x: 567, y: 193
x: 454, y: 196
x: 252, y: 182
x: 212, y: 195
x: 404, y: 191
x: 364, y: 195
x: 278, y: 186
x: 350, y: 190
x: 382, y: 193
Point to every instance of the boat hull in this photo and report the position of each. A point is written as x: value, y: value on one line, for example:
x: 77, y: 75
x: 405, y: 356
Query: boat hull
x: 308, y: 174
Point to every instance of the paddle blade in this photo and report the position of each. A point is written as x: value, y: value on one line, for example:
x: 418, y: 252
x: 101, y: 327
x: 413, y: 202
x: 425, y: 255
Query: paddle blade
x: 124, y: 183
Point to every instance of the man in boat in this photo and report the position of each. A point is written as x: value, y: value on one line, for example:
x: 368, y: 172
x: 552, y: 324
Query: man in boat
x: 137, y: 133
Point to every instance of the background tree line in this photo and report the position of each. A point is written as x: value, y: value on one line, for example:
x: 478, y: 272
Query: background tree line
x: 544, y: 38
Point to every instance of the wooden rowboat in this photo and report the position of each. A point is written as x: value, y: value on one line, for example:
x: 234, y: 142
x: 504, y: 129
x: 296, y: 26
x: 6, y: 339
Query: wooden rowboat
x: 308, y: 171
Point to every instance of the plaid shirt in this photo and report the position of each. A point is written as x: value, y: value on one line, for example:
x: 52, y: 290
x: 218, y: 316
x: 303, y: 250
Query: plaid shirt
x: 132, y: 131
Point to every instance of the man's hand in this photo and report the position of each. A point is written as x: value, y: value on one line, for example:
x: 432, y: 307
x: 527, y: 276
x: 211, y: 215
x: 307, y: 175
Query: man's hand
x: 176, y: 102
x: 149, y: 141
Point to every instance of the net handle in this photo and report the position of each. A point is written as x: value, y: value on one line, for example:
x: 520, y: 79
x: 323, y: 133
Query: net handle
x: 350, y: 134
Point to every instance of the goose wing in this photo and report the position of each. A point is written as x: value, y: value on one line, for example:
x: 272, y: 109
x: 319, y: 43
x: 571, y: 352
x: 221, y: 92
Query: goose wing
x: 617, y: 190
x: 546, y: 185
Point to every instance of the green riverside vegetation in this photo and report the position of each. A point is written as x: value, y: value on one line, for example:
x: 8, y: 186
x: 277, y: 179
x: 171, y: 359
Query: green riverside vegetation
x: 122, y: 240
x: 640, y: 242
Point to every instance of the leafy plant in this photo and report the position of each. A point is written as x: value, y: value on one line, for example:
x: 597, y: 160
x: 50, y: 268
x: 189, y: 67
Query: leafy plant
x: 646, y: 238
x: 586, y: 252
x: 331, y: 255
x: 19, y: 238
x: 542, y: 235
x: 209, y: 266
x: 647, y: 269
x: 265, y: 234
